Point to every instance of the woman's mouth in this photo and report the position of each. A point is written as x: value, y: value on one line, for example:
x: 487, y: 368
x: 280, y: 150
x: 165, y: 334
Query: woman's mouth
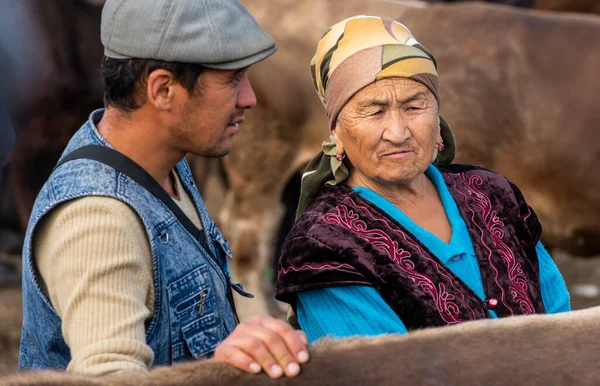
x: 398, y: 154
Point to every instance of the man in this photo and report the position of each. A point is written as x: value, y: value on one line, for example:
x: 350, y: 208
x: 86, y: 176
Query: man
x: 123, y: 267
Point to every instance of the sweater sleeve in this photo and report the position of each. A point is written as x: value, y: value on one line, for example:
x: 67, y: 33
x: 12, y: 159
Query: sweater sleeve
x: 94, y: 260
x: 345, y: 311
x: 554, y: 290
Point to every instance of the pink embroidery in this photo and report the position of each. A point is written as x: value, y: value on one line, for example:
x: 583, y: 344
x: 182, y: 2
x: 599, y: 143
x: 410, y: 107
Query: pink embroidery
x: 528, y: 213
x: 317, y: 267
x: 482, y: 239
x: 437, y: 268
x: 518, y: 287
x: 350, y: 220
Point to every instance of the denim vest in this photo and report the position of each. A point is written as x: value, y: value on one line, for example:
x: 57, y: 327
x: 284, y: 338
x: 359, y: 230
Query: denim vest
x: 191, y: 311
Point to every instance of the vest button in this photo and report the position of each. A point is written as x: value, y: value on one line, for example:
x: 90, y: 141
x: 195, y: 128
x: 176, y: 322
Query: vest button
x: 491, y: 302
x: 455, y: 258
x: 164, y: 236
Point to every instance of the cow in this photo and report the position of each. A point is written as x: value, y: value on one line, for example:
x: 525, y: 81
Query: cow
x: 518, y: 88
x: 558, y: 349
x: 67, y: 84
x: 64, y: 87
x: 509, y: 89
x: 584, y: 6
x: 513, y: 3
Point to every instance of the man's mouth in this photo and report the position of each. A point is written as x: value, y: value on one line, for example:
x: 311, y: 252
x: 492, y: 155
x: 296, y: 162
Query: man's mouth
x: 233, y: 126
x: 236, y: 122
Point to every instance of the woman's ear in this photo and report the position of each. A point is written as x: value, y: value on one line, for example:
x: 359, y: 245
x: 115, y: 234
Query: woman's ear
x: 438, y: 140
x: 438, y: 137
x: 336, y: 138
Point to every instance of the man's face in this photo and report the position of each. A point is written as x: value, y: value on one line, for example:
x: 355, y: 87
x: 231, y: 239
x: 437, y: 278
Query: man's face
x: 210, y: 116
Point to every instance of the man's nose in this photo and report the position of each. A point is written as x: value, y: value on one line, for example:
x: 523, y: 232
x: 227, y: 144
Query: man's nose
x: 246, y: 96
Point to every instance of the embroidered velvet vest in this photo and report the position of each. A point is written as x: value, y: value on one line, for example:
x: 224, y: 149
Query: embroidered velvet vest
x: 343, y: 239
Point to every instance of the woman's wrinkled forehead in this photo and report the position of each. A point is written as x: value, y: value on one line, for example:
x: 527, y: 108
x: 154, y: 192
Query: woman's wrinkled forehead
x: 389, y: 93
x: 392, y: 91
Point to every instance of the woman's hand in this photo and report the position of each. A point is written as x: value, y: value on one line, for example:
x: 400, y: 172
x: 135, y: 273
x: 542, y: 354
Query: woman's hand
x: 265, y: 343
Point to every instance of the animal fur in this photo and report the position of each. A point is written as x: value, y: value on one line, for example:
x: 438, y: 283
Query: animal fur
x: 559, y: 349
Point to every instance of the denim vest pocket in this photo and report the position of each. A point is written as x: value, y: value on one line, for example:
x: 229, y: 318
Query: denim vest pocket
x: 195, y: 324
x: 203, y: 335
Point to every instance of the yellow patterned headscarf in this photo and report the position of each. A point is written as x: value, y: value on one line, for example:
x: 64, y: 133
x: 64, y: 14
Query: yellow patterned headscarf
x: 363, y: 49
x: 351, y: 55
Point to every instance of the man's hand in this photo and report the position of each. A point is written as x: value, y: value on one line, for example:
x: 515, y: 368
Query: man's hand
x: 265, y: 343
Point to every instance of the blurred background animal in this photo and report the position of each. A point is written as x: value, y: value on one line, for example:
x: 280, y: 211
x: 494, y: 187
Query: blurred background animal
x: 66, y: 86
x: 519, y: 94
x: 509, y: 93
x: 588, y: 6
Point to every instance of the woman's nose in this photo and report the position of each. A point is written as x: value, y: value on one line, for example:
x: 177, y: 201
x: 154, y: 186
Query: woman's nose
x: 396, y: 130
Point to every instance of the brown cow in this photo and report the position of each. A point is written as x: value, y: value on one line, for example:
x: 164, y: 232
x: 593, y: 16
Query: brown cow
x: 65, y: 87
x: 585, y: 6
x: 68, y: 85
x: 558, y: 349
x: 518, y: 87
x: 589, y: 6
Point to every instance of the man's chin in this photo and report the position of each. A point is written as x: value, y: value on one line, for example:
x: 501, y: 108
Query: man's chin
x: 219, y: 154
x: 213, y: 153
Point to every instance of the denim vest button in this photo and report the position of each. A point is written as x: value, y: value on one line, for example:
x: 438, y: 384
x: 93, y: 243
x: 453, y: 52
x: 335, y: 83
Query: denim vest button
x: 164, y: 237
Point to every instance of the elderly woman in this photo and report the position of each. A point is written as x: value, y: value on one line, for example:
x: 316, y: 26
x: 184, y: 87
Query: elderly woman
x: 391, y: 237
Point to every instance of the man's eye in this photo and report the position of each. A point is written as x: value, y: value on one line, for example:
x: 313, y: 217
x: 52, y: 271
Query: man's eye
x: 237, y: 78
x: 413, y: 108
x: 377, y: 112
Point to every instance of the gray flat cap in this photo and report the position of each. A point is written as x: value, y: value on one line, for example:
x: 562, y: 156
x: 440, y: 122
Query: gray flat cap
x: 219, y: 34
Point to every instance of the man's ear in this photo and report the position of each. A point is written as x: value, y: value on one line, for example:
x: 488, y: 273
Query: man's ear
x: 160, y: 89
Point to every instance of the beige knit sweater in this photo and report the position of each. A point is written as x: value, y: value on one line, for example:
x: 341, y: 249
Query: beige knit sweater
x: 94, y: 259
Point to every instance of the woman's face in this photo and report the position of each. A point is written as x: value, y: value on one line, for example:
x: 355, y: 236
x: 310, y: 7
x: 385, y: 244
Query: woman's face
x: 388, y: 131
